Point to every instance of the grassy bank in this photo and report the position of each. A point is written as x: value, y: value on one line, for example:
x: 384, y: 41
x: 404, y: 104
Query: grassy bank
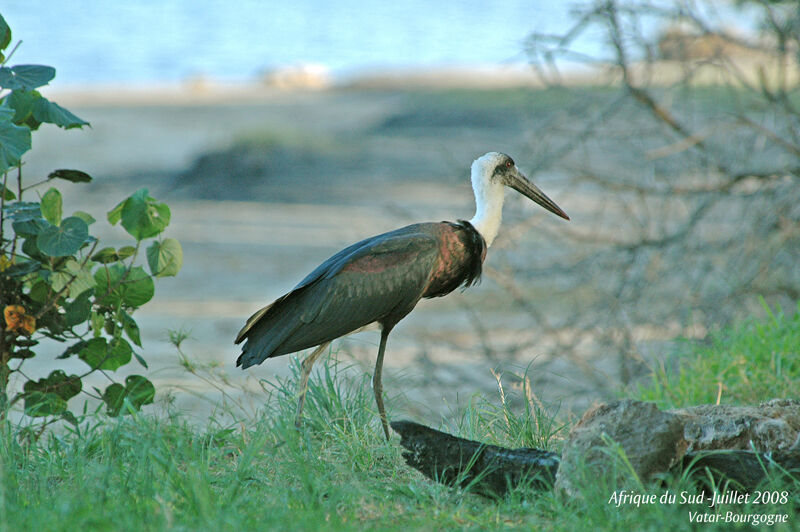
x: 145, y: 473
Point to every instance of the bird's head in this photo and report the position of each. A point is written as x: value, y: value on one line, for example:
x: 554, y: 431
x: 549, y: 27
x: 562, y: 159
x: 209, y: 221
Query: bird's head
x: 493, y: 171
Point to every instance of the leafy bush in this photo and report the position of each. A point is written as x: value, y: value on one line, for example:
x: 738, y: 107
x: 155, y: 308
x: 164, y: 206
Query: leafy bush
x: 56, y: 282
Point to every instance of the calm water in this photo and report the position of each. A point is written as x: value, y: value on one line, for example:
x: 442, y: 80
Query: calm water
x: 168, y: 40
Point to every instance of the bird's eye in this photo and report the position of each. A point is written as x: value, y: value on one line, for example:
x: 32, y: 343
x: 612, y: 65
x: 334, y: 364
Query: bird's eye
x: 509, y: 164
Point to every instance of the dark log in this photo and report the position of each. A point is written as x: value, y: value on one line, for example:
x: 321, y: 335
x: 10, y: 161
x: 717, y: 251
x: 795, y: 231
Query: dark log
x: 747, y: 469
x: 485, y: 469
x: 492, y: 470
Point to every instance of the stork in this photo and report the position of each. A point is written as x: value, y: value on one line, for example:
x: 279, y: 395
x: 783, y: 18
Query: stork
x: 379, y: 280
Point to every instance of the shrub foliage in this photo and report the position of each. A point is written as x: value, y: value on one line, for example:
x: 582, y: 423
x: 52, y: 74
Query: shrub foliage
x: 57, y: 282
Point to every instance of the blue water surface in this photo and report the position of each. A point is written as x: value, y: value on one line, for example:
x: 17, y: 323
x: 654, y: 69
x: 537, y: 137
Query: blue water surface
x: 144, y: 41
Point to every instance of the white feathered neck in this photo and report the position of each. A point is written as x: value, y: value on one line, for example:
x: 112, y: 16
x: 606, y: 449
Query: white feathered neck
x: 489, y: 196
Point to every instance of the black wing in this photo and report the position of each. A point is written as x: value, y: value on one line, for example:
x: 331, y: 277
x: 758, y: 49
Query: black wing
x: 378, y: 279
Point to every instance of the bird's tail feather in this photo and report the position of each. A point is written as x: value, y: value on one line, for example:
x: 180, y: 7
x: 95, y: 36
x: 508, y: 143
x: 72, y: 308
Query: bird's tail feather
x: 265, y: 334
x: 252, y: 320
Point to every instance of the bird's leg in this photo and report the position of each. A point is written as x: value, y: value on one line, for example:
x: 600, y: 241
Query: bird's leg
x: 302, y: 386
x: 377, y: 385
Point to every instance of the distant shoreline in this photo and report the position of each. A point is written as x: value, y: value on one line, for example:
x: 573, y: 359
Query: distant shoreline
x: 292, y: 81
x: 301, y: 80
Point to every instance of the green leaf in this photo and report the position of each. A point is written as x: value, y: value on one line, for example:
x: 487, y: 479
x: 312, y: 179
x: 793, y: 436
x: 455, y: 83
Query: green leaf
x: 14, y: 141
x: 23, y: 353
x: 23, y: 210
x: 80, y: 278
x: 144, y: 217
x: 5, y: 36
x: 113, y: 397
x: 125, y: 251
x: 30, y: 249
x: 39, y: 291
x: 85, y: 216
x: 63, y: 385
x: 106, y: 256
x: 8, y: 194
x: 131, y: 329
x: 49, y: 395
x: 115, y: 214
x: 26, y: 77
x: 38, y: 404
x: 136, y: 289
x: 165, y: 258
x: 97, y: 321
x: 70, y: 418
x: 73, y: 349
x: 22, y: 268
x: 51, y: 206
x: 21, y: 103
x: 100, y: 354
x: 30, y: 227
x: 26, y: 342
x: 138, y: 391
x: 73, y: 176
x: 140, y: 360
x: 64, y: 240
x: 79, y: 311
x: 94, y: 352
x: 46, y: 111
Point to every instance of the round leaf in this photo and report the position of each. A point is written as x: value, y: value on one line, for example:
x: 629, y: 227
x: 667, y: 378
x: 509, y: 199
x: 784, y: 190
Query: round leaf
x: 40, y: 404
x: 139, y: 390
x: 142, y: 216
x: 94, y: 352
x: 165, y: 258
x: 100, y: 354
x: 58, y: 382
x: 64, y: 240
x: 133, y: 290
x: 138, y: 288
x: 31, y: 227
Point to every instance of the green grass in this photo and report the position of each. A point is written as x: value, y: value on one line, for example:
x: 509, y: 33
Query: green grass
x: 141, y: 472
x: 755, y: 361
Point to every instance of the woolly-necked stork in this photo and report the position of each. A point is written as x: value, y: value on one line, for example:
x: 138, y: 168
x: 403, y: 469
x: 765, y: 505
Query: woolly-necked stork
x: 379, y: 280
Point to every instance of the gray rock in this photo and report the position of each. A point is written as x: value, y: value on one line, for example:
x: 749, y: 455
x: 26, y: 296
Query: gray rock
x: 651, y: 439
x: 654, y: 441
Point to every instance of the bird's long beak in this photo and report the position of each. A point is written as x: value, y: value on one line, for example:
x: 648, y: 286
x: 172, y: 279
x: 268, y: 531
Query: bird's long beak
x: 521, y: 184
